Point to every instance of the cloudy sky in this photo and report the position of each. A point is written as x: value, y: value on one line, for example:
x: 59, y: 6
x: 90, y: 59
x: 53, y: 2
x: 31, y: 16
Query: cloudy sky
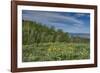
x: 67, y: 21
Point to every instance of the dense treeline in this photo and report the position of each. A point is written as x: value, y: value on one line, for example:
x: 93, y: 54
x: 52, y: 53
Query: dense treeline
x: 34, y: 32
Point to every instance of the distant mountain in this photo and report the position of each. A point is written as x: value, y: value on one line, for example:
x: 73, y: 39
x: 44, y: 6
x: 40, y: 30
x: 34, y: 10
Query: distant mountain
x: 82, y: 35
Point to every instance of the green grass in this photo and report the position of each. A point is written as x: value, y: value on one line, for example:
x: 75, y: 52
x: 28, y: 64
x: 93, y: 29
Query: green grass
x: 55, y: 51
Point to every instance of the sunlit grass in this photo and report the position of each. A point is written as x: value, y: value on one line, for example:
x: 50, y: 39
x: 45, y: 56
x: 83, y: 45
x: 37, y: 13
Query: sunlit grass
x: 55, y: 51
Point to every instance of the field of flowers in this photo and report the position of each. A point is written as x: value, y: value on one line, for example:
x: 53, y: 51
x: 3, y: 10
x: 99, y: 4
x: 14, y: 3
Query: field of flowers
x: 55, y: 51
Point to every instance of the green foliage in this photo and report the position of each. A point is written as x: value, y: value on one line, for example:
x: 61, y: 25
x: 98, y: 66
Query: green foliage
x: 35, y: 33
x: 55, y: 51
x: 42, y: 43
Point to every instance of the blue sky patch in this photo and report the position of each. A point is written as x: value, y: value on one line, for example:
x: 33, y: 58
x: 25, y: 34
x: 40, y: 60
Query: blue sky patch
x: 67, y: 21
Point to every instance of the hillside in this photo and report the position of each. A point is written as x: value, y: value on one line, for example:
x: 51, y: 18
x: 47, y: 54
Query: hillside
x: 36, y: 32
x: 43, y: 43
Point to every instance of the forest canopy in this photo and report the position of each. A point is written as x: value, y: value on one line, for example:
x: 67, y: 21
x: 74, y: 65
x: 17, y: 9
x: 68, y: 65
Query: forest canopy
x: 34, y: 32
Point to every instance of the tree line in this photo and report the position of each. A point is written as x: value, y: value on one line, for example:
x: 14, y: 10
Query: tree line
x: 33, y: 32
